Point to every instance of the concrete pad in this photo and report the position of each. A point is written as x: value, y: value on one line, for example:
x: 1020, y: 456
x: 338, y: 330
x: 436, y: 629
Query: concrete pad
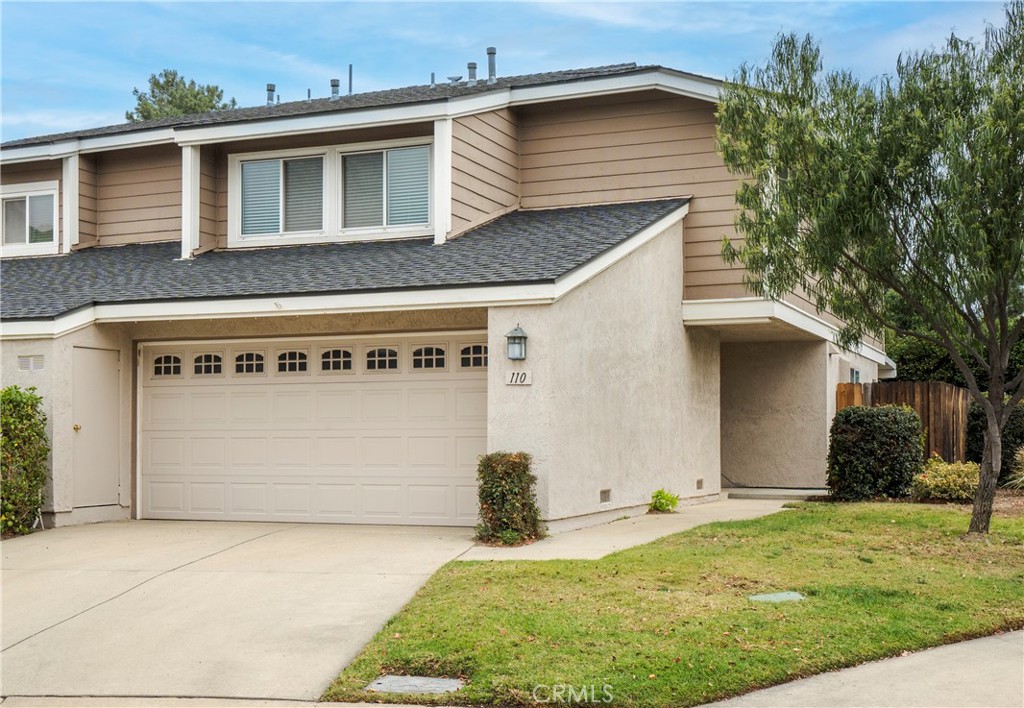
x: 276, y: 614
x: 987, y: 673
x: 598, y: 541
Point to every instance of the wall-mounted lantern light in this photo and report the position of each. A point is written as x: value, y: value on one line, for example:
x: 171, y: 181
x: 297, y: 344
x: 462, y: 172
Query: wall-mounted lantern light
x: 516, y: 344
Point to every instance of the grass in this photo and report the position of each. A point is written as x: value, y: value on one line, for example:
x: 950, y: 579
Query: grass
x: 668, y: 623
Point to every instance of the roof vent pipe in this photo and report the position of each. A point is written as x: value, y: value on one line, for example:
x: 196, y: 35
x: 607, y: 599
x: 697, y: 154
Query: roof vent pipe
x: 433, y: 82
x: 349, y: 79
x: 270, y: 94
x: 492, y: 72
x: 454, y: 80
x: 471, y: 68
x: 335, y: 89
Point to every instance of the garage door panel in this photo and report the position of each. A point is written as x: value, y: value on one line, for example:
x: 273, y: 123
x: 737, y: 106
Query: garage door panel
x: 337, y: 446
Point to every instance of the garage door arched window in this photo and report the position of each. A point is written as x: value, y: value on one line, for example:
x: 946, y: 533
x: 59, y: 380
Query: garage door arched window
x: 206, y: 364
x: 428, y: 358
x: 473, y: 356
x: 293, y: 362
x: 336, y: 360
x: 382, y: 359
x: 249, y: 363
x: 167, y: 365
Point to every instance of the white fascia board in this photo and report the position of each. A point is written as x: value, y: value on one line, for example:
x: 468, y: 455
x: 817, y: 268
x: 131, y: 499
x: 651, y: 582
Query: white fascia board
x: 607, y: 259
x: 442, y: 298
x: 755, y: 310
x: 318, y: 123
x: 64, y: 148
x: 47, y: 329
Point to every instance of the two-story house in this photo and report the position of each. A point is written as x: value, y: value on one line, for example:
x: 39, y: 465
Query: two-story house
x: 301, y: 312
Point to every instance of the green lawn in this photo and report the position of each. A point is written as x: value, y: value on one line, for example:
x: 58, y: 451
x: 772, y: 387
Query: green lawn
x: 668, y: 624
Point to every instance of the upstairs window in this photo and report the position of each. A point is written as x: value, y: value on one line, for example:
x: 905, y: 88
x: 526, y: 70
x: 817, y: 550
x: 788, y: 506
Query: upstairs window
x: 330, y: 193
x: 386, y: 188
x: 282, y: 196
x: 29, y: 220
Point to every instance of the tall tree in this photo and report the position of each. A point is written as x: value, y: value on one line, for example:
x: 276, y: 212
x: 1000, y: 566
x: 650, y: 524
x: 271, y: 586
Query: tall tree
x: 912, y: 183
x: 171, y: 95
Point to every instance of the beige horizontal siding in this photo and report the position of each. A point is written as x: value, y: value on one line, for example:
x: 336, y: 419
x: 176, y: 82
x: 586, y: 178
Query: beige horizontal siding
x: 87, y: 190
x: 42, y: 171
x: 138, y: 195
x: 207, y: 197
x: 485, y: 166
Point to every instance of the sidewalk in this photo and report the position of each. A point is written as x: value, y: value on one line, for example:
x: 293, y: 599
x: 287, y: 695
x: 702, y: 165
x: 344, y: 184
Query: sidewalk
x: 987, y: 673
x: 598, y: 541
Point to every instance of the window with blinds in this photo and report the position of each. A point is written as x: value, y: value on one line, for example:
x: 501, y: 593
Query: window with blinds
x: 330, y: 193
x: 386, y: 188
x: 281, y: 196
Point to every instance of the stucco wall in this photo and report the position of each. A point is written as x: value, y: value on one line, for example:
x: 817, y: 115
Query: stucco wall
x: 622, y: 397
x: 54, y: 383
x: 775, y: 413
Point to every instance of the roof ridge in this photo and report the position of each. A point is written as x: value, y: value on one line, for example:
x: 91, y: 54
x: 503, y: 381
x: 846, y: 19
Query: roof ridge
x: 417, y: 93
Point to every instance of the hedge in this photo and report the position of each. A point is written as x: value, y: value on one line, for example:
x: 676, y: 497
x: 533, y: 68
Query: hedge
x: 946, y: 481
x: 508, y: 499
x: 24, y: 458
x: 1013, y: 437
x: 873, y: 451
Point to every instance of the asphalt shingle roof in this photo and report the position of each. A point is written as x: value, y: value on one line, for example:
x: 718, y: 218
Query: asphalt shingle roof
x: 372, y: 99
x: 520, y: 247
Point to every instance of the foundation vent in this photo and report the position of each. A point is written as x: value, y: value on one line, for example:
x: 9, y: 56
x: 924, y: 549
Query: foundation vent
x: 606, y: 496
x: 700, y: 483
x: 33, y: 362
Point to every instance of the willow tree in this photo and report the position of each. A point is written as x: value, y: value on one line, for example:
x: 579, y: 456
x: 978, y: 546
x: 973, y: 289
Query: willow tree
x: 910, y: 184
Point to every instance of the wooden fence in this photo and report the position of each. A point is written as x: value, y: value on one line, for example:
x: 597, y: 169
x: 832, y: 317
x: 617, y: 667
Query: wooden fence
x: 942, y: 407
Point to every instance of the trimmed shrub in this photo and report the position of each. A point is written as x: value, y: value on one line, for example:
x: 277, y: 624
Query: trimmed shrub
x: 946, y: 481
x: 1013, y: 437
x: 873, y: 451
x: 508, y: 499
x: 24, y: 458
x: 663, y: 502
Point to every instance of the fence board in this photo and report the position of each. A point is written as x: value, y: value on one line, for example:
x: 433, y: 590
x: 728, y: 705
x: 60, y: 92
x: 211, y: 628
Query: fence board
x: 941, y: 406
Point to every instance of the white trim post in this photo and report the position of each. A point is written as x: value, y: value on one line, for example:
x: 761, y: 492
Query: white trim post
x: 69, y: 196
x: 190, y: 178
x: 442, y: 180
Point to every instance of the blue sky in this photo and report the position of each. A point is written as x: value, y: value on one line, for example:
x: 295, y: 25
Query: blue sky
x: 73, y: 65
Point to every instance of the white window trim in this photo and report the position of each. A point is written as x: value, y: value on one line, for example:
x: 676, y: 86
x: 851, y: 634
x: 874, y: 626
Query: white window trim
x: 333, y: 200
x: 33, y: 189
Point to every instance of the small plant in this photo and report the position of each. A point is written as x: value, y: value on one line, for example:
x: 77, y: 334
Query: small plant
x: 873, y: 452
x: 508, y: 500
x: 24, y: 458
x: 1016, y: 478
x: 946, y: 481
x: 663, y: 502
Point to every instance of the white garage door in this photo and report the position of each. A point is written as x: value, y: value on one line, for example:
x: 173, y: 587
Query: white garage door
x: 371, y: 430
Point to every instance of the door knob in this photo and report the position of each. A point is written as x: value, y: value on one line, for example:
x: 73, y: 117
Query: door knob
x: 76, y: 427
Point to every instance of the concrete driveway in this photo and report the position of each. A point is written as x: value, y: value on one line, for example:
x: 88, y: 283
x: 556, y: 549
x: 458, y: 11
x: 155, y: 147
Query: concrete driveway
x: 204, y: 609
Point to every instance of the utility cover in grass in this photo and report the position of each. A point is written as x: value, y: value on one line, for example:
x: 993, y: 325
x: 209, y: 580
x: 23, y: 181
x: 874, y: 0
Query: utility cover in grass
x: 777, y: 597
x: 414, y: 684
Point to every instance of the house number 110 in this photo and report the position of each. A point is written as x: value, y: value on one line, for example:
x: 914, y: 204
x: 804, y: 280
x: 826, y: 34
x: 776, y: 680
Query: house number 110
x: 519, y: 378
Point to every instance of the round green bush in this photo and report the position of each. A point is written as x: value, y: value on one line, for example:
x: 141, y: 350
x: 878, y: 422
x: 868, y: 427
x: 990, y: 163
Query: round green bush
x: 24, y: 458
x: 873, y: 451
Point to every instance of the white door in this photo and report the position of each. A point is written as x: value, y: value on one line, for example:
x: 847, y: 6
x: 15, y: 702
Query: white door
x: 95, y: 392
x: 361, y: 430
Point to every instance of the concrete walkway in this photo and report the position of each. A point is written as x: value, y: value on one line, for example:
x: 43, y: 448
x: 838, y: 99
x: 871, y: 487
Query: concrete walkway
x: 598, y: 541
x: 988, y: 673
x: 206, y: 609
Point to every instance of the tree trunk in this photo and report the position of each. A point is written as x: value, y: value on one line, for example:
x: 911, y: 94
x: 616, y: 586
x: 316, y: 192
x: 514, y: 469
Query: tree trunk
x: 991, y: 465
